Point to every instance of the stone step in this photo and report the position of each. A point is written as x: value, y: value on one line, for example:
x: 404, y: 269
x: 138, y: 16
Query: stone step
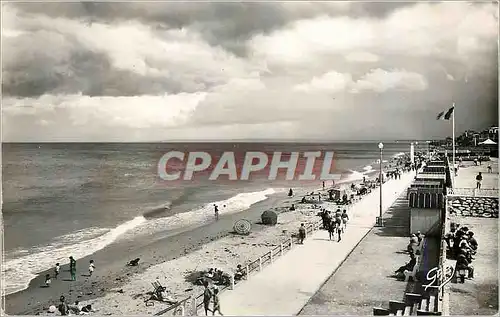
x: 432, y: 303
x: 407, y: 311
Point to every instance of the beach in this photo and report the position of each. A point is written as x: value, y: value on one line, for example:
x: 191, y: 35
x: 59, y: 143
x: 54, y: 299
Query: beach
x: 174, y: 250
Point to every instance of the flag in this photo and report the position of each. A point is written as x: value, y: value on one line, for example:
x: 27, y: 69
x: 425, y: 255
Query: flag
x: 448, y: 114
x: 445, y: 116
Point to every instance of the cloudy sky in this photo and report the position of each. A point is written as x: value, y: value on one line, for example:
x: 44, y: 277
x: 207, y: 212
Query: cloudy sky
x: 274, y: 70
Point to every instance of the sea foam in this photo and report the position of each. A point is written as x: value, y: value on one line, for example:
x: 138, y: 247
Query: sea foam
x: 27, y: 264
x: 18, y: 272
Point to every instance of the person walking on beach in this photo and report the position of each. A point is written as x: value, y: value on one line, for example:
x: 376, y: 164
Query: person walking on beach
x: 332, y: 226
x: 91, y: 267
x: 479, y: 178
x: 345, y: 219
x: 302, y: 233
x: 323, y: 184
x: 216, y: 303
x: 72, y: 268
x: 57, y: 269
x: 216, y: 210
x: 207, y: 296
x: 338, y: 221
x: 489, y: 168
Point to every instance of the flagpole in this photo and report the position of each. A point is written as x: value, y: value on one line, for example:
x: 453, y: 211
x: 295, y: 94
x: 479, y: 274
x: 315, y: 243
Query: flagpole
x: 453, y: 136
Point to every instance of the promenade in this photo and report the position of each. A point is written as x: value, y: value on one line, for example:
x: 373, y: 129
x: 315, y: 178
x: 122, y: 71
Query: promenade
x: 466, y: 177
x: 365, y: 279
x: 285, y: 286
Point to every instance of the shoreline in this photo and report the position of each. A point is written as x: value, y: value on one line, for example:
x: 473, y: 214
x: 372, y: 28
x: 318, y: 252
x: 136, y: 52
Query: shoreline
x: 111, y: 272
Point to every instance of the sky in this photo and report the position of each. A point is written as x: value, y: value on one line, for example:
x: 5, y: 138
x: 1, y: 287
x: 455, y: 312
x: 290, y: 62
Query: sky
x: 337, y: 71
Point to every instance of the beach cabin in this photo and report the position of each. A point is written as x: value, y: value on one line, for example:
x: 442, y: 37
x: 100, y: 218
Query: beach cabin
x: 426, y: 210
x: 337, y: 193
x: 425, y: 177
x: 426, y: 184
x: 436, y: 163
x: 434, y: 169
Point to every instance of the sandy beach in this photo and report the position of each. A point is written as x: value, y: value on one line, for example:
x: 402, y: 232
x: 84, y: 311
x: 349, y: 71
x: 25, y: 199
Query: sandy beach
x: 112, y: 274
x: 169, y: 260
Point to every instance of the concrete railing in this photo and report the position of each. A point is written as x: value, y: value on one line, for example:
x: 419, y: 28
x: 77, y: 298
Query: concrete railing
x: 472, y: 192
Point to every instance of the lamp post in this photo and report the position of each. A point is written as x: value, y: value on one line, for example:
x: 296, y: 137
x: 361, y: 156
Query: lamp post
x: 380, y: 220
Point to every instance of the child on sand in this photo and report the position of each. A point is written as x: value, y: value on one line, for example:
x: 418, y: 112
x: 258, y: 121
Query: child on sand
x: 216, y: 303
x: 91, y: 267
x: 57, y: 269
x: 47, y: 280
x: 216, y: 210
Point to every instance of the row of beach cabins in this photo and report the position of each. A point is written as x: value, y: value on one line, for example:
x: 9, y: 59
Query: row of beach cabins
x: 427, y: 212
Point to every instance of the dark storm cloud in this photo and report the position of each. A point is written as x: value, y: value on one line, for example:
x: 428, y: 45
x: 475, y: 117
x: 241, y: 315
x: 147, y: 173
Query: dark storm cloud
x: 85, y: 72
x: 221, y: 23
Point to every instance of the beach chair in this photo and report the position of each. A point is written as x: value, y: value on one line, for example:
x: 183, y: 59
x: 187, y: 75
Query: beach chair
x: 158, y: 290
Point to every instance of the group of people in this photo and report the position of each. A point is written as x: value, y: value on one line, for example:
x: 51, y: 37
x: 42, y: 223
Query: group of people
x: 463, y: 249
x: 215, y: 275
x: 396, y: 174
x: 334, y: 222
x: 72, y: 270
x: 66, y: 309
x: 211, y: 294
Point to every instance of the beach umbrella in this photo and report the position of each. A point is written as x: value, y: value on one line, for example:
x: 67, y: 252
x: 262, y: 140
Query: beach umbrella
x: 488, y: 142
x: 269, y: 218
x: 242, y: 227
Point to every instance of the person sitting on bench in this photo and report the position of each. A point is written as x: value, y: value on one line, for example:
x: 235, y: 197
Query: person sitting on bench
x: 463, y: 264
x: 408, y: 266
x: 412, y: 246
x: 419, y: 237
x: 450, y: 236
x: 472, y: 242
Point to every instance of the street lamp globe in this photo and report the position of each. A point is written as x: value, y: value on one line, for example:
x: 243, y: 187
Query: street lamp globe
x: 381, y: 145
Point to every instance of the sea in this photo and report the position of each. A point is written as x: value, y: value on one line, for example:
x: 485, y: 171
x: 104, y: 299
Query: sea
x: 63, y: 199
